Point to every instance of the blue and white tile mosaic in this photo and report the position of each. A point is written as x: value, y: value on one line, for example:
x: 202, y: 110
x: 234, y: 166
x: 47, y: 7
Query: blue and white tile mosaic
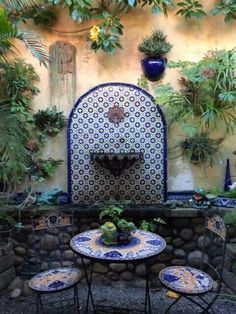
x: 55, y: 279
x: 144, y: 244
x: 143, y: 129
x: 186, y: 279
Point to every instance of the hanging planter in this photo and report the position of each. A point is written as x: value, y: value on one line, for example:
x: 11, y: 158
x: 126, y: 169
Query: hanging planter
x: 50, y: 121
x: 154, y: 47
x: 200, y: 148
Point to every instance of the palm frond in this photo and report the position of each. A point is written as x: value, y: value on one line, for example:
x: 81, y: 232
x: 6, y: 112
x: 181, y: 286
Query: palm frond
x: 21, y: 4
x: 6, y: 46
x: 33, y: 42
x: 13, y: 153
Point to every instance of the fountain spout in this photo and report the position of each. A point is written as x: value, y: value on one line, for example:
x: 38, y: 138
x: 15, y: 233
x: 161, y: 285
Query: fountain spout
x: 116, y: 162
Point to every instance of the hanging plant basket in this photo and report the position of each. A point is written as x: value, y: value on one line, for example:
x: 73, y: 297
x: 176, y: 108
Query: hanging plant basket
x: 50, y: 121
x: 200, y: 148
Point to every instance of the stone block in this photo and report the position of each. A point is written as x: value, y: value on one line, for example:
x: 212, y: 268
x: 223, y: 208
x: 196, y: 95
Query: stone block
x: 181, y: 222
x: 169, y: 249
x: 7, y: 261
x: 17, y: 283
x: 64, y: 237
x: 179, y: 253
x: 26, y: 289
x: 200, y: 241
x: 68, y: 254
x: 156, y: 268
x: 6, y: 277
x: 141, y: 270
x: 164, y: 231
x: 234, y: 268
x: 113, y: 276
x: 6, y: 248
x: 229, y: 279
x: 190, y: 246
x: 49, y: 242
x: 117, y: 267
x: 100, y: 268
x: 140, y: 283
x: 127, y: 276
x: 231, y: 250
x: 178, y: 242
x: 178, y: 262
x: 187, y: 234
x: 20, y: 250
x: 15, y: 293
x: 195, y: 258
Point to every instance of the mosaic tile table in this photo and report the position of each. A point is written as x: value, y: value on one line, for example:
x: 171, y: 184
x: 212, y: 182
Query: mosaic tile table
x: 143, y: 246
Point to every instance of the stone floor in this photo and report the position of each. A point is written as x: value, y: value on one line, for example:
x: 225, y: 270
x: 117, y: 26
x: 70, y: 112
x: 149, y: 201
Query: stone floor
x: 119, y: 297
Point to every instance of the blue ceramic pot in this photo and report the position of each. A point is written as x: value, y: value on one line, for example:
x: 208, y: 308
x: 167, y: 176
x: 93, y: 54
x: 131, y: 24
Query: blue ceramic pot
x: 63, y: 198
x: 153, y: 68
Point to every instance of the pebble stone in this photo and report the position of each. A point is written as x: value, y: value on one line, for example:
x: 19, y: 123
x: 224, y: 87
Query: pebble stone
x: 15, y: 293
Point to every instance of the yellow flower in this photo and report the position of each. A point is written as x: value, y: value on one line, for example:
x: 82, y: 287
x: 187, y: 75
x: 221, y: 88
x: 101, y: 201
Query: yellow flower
x: 94, y: 33
x: 172, y: 294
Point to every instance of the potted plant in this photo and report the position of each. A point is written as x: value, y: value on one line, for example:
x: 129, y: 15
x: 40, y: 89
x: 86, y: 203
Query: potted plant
x: 50, y: 121
x: 115, y: 229
x: 207, y: 91
x: 44, y: 169
x: 200, y: 148
x: 155, y: 47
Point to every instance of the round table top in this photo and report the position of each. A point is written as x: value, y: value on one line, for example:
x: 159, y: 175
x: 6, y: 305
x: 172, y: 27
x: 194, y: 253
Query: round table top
x: 143, y: 244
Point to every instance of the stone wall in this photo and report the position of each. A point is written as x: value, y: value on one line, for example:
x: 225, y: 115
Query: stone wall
x: 7, y: 260
x: 229, y: 273
x: 184, y: 237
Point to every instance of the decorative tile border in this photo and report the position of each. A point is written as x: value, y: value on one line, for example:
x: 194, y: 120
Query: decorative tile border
x: 219, y: 201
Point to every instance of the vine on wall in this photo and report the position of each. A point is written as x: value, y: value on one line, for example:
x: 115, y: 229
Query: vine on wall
x: 107, y: 14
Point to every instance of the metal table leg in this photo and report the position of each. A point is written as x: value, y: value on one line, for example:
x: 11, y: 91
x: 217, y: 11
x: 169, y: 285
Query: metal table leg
x: 89, y: 283
x: 147, y: 292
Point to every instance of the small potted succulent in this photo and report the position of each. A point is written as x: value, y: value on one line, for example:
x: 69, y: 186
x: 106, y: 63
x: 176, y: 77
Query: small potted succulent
x: 155, y: 47
x: 116, y: 230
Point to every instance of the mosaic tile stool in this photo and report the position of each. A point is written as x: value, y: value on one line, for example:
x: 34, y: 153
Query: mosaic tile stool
x: 60, y: 278
x: 192, y: 283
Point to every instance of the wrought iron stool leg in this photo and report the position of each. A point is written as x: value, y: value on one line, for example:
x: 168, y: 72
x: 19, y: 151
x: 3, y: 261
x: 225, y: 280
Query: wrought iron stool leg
x: 170, y: 306
x: 76, y: 299
x: 38, y: 303
x: 195, y: 302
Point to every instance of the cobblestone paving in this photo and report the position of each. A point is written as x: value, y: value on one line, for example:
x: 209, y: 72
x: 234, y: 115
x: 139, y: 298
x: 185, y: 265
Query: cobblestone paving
x: 118, y: 297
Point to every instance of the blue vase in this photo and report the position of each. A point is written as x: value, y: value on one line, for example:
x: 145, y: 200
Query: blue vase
x: 228, y: 181
x: 153, y: 68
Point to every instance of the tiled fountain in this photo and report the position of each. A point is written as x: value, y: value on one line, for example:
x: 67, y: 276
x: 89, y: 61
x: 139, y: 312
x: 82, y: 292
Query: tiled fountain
x: 117, y: 146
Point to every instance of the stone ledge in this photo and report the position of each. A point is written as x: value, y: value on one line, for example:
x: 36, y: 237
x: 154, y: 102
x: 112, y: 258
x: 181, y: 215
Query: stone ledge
x: 133, y: 210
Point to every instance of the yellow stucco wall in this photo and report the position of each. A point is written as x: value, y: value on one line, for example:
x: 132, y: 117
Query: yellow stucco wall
x: 190, y: 41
